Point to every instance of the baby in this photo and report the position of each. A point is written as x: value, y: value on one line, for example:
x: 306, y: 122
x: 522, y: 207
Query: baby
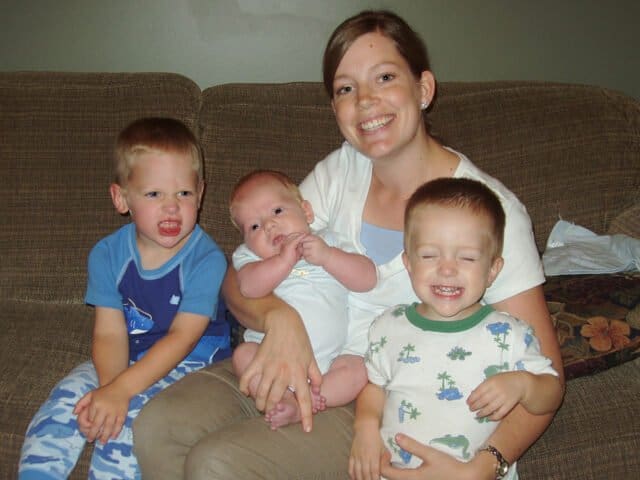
x: 313, y: 272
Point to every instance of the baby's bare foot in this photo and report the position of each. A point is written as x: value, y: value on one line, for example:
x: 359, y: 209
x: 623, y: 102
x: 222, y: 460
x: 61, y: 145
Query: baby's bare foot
x: 318, y: 402
x: 287, y: 410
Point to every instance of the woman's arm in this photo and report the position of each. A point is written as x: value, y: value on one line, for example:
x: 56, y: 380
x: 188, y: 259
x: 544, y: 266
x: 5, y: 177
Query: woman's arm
x: 284, y: 358
x: 520, y: 429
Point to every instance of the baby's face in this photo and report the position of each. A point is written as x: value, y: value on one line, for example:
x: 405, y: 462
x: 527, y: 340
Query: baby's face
x: 450, y: 259
x: 267, y: 213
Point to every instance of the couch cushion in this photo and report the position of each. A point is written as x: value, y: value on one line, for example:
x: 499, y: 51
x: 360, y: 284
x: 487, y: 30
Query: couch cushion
x: 288, y: 127
x: 58, y: 132
x: 627, y: 222
x: 539, y: 138
x: 39, y: 345
x: 597, y: 319
x: 568, y: 151
x: 594, y: 435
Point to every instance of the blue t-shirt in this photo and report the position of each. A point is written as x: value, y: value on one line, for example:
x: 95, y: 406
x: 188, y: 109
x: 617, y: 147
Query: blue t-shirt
x: 150, y: 299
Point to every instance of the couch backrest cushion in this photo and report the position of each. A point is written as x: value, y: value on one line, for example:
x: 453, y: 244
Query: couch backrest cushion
x: 287, y: 127
x: 58, y: 131
x: 567, y: 151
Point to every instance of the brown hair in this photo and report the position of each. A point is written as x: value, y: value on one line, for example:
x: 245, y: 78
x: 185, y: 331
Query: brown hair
x: 154, y: 134
x: 407, y: 41
x: 459, y: 193
x: 275, y: 175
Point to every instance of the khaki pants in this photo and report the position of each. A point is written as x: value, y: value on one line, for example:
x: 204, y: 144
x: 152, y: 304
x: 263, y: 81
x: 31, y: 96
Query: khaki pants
x: 203, y: 427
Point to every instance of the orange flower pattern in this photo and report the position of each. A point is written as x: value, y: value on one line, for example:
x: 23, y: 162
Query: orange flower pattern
x: 604, y: 334
x: 583, y: 308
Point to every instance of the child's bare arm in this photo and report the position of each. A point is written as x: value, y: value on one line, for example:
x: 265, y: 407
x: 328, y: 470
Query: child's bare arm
x: 356, y: 272
x: 260, y: 278
x: 543, y: 393
x: 183, y: 335
x: 496, y: 396
x: 367, y: 447
x: 110, y: 344
x: 111, y: 401
x: 110, y: 355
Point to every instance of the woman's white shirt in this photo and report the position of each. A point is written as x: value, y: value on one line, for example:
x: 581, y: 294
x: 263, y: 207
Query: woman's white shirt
x: 337, y: 188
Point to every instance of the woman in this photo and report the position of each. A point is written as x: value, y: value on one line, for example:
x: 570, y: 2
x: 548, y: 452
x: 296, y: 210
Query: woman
x: 377, y: 75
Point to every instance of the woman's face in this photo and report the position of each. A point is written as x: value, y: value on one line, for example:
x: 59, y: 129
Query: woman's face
x: 376, y: 98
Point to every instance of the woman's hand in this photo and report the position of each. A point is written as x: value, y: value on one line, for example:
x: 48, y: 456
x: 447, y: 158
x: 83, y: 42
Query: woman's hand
x: 284, y: 359
x: 436, y: 465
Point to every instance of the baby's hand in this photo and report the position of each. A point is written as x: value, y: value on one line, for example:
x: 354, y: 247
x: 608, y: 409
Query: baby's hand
x: 315, y: 250
x: 290, y: 249
x: 497, y: 395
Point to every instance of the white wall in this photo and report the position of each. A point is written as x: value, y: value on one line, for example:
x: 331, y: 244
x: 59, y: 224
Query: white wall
x: 219, y: 41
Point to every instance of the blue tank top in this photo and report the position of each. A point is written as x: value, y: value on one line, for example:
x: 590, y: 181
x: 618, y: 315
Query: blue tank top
x: 381, y: 244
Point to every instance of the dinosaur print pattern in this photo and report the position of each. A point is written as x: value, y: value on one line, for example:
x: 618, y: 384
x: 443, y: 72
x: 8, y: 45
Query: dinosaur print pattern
x: 458, y: 353
x: 427, y: 375
x: 457, y: 442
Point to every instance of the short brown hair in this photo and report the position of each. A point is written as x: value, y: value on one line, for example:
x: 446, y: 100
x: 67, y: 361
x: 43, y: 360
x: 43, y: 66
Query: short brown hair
x: 154, y: 133
x: 409, y: 44
x: 460, y: 193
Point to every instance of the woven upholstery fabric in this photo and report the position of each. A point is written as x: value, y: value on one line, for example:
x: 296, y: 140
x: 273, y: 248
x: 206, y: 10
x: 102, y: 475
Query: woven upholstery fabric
x: 627, y: 222
x: 595, y: 434
x: 566, y: 150
x: 40, y: 343
x: 58, y: 131
x: 287, y: 127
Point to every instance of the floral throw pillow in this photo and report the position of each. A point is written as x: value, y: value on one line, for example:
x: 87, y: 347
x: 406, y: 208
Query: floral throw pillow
x: 597, y: 320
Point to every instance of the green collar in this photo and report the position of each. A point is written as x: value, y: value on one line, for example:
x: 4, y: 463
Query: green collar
x: 443, y: 326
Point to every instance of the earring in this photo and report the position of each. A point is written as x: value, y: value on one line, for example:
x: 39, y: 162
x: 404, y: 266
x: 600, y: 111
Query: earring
x: 424, y: 105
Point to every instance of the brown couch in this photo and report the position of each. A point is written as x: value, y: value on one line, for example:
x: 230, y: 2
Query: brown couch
x: 566, y: 150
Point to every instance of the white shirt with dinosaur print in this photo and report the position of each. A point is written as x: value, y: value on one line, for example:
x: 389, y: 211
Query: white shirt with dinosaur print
x: 428, y: 369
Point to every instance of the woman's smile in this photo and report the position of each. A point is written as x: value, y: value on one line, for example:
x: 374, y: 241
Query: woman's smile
x: 376, y: 123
